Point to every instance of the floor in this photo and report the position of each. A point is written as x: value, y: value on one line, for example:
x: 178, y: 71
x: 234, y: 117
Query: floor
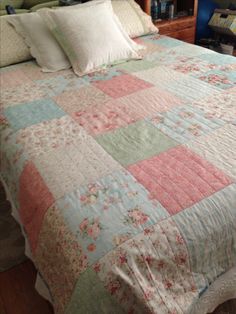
x: 17, y: 293
x: 18, y: 296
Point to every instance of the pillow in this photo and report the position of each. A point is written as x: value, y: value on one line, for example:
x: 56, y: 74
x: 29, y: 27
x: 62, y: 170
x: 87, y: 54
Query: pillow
x: 28, y: 4
x: 12, y: 46
x: 133, y: 19
x: 49, y: 4
x: 91, y: 35
x: 43, y: 46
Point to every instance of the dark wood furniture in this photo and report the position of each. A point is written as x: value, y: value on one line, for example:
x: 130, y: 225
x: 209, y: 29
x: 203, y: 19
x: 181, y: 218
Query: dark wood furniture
x: 183, y: 28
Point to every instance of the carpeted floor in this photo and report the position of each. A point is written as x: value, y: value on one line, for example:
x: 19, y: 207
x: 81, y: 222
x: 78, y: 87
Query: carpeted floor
x: 18, y: 283
x: 12, y: 244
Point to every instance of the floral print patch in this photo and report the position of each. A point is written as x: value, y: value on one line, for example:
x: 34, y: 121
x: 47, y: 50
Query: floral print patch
x: 125, y: 178
x: 90, y: 210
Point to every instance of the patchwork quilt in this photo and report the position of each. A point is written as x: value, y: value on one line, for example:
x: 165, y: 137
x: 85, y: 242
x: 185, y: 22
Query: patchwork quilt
x: 125, y: 179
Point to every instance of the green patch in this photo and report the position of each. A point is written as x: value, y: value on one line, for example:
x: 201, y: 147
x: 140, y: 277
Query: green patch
x: 135, y: 142
x: 90, y: 296
x: 135, y: 66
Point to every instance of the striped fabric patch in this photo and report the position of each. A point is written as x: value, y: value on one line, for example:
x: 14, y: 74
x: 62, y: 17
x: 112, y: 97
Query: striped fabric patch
x: 209, y: 230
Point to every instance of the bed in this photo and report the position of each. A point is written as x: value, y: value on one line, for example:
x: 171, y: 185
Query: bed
x: 124, y: 180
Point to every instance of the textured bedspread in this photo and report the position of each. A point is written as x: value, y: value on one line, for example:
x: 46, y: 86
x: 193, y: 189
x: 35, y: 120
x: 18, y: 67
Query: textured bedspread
x: 125, y: 179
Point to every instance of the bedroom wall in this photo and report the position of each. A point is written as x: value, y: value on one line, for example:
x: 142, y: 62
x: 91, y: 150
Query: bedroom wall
x: 205, y: 11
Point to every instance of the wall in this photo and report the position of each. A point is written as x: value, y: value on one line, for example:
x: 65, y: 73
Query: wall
x: 205, y: 11
x: 224, y: 3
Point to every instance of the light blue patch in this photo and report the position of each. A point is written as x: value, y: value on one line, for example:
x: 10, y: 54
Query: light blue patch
x: 185, y: 123
x: 27, y: 114
x: 209, y: 230
x: 190, y: 88
x: 218, y: 58
x: 91, y: 297
x: 110, y: 201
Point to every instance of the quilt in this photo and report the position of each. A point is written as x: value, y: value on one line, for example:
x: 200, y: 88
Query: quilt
x: 125, y: 179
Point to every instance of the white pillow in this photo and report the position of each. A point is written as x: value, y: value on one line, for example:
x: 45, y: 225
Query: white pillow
x: 91, y: 35
x: 43, y: 46
x: 133, y: 19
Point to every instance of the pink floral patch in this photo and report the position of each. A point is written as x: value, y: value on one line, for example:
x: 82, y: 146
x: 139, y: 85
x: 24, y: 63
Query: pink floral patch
x: 92, y: 196
x: 91, y: 247
x: 121, y: 238
x: 215, y: 79
x: 11, y: 79
x: 137, y: 268
x: 187, y: 68
x: 90, y: 228
x: 102, y: 118
x: 34, y: 199
x: 136, y: 217
x: 122, y: 85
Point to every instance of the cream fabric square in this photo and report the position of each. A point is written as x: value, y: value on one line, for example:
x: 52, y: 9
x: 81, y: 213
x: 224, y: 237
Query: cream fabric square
x: 68, y: 167
x: 219, y: 148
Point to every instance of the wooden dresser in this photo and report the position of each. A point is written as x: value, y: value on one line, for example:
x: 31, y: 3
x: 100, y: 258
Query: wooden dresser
x: 183, y: 28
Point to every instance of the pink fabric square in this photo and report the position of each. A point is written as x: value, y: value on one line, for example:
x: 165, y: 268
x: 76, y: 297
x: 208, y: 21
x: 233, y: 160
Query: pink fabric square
x: 102, y: 118
x: 179, y: 178
x: 10, y: 79
x: 34, y: 199
x: 121, y: 85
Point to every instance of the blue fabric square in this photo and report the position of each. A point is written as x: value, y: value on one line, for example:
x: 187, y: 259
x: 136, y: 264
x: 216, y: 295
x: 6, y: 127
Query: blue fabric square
x: 185, y: 123
x: 25, y: 115
x: 109, y: 212
x: 217, y: 58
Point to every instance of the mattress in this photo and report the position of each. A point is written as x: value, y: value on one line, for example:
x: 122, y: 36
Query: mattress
x: 124, y: 180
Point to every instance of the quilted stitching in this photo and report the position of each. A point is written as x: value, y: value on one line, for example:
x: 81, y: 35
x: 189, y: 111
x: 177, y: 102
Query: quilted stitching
x: 109, y: 227
x: 219, y: 148
x: 32, y: 113
x: 185, y: 123
x: 216, y: 252
x: 178, y: 178
x: 121, y: 85
x: 140, y: 137
x: 34, y: 200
